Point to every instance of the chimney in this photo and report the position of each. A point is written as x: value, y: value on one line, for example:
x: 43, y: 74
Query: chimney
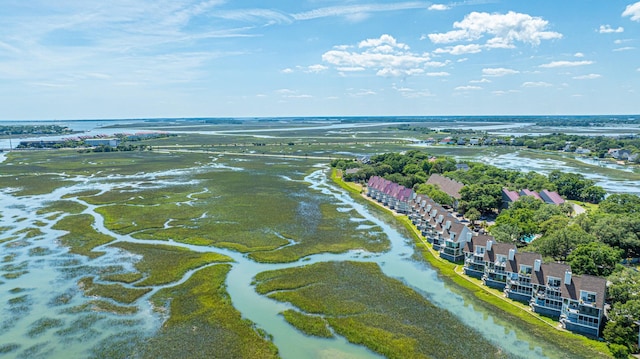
x: 469, y: 236
x: 489, y: 244
x: 567, y: 277
x: 512, y: 254
x: 428, y: 208
x: 447, y: 224
x: 440, y: 218
x: 536, y: 265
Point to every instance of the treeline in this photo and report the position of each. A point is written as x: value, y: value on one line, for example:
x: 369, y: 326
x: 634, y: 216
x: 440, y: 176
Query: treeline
x: 34, y: 130
x: 119, y: 148
x: 483, y: 183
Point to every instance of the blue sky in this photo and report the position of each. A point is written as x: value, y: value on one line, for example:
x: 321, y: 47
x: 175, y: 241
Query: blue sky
x: 69, y: 59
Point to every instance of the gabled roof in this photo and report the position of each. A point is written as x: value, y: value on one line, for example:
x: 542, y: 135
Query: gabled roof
x: 588, y: 283
x: 478, y: 240
x: 549, y: 270
x: 510, y: 195
x: 525, y: 258
x: 528, y: 192
x: 498, y: 248
x: 551, y: 197
x: 446, y: 185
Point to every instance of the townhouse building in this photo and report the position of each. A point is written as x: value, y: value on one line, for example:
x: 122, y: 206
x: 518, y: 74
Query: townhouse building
x: 550, y: 289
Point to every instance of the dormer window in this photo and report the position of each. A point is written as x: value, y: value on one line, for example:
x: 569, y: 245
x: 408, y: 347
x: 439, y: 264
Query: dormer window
x: 553, y: 282
x: 501, y: 260
x: 479, y: 250
x: 587, y: 297
x: 525, y: 270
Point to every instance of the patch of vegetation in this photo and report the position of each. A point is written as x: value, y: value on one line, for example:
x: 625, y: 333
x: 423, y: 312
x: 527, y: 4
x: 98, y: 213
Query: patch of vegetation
x: 30, y: 232
x: 308, y: 324
x: 71, y: 207
x: 39, y: 251
x: 368, y: 308
x: 9, y: 348
x: 204, y: 323
x: 42, y: 325
x: 82, y: 237
x: 119, y: 346
x: 122, y: 277
x: 14, y: 271
x: 117, y: 292
x: 166, y: 264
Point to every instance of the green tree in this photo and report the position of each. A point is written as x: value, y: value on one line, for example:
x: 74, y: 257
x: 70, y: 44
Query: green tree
x: 473, y: 215
x: 621, y: 203
x: 624, y: 285
x: 594, y: 258
x: 484, y: 198
x: 621, y: 328
x: 435, y: 194
x: 505, y: 232
x: 558, y: 244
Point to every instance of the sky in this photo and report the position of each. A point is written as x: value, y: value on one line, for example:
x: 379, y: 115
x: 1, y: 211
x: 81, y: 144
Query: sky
x: 95, y: 59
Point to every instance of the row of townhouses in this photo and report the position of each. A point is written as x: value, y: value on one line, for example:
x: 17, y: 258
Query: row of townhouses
x: 550, y: 289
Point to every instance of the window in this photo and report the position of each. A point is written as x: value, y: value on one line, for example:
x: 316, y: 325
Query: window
x: 553, y: 282
x: 587, y: 297
x: 479, y: 250
x: 525, y: 270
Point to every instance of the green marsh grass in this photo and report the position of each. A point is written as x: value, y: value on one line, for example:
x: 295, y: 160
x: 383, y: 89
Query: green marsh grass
x: 9, y: 348
x: 308, y: 324
x: 164, y: 264
x: 64, y: 206
x: 368, y: 308
x: 82, y: 237
x: 42, y: 325
x: 117, y: 292
x: 203, y: 323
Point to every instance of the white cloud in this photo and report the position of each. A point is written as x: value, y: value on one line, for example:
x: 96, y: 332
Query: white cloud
x: 439, y: 7
x: 578, y: 54
x: 481, y: 81
x: 356, y: 12
x: 362, y: 93
x: 503, y: 30
x: 626, y: 48
x: 536, y: 84
x: 438, y: 74
x: 254, y: 15
x: 621, y: 41
x: 350, y: 69
x: 468, y: 88
x: 633, y: 11
x: 500, y: 71
x: 607, y: 29
x: 386, y: 43
x: 459, y: 49
x: 287, y: 70
x: 412, y: 93
x: 316, y: 68
x: 587, y: 77
x: 500, y: 92
x: 384, y: 55
x: 554, y: 64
